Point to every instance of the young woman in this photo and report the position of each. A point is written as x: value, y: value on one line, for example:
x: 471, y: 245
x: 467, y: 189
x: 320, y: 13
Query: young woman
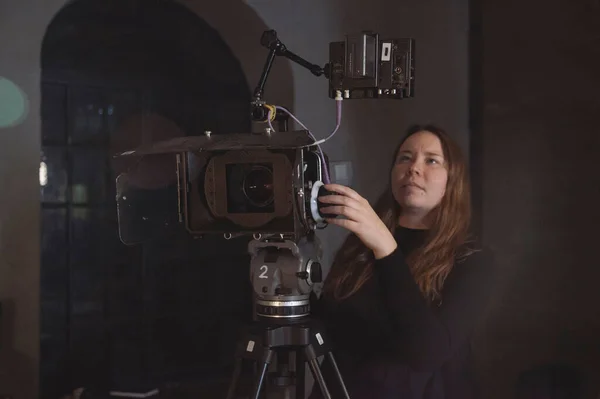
x: 408, y: 286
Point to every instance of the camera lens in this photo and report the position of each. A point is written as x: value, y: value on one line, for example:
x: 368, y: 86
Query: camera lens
x: 258, y: 186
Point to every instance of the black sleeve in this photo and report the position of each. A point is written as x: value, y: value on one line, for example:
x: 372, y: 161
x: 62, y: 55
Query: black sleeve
x: 428, y: 335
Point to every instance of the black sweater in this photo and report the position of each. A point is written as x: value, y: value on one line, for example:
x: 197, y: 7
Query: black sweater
x: 391, y: 343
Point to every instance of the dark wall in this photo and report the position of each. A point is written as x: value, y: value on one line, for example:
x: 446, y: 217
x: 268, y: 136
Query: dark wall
x: 539, y: 144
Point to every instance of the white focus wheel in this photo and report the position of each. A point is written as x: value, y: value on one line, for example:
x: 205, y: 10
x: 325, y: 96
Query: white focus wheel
x: 314, y: 205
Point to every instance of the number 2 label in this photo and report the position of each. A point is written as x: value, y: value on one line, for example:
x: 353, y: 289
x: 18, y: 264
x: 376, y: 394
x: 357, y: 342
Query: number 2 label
x: 264, y: 269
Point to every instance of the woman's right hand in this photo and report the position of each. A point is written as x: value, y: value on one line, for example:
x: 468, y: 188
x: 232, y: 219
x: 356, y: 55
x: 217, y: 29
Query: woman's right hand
x: 359, y: 218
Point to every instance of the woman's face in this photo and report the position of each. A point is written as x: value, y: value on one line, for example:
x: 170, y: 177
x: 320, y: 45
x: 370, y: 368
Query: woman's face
x: 419, y: 175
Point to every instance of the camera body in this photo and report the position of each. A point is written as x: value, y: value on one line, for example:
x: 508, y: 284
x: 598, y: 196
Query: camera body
x: 261, y: 190
x: 261, y: 185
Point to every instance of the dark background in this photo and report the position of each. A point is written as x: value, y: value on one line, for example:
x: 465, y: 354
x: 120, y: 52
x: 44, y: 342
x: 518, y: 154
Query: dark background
x: 515, y: 83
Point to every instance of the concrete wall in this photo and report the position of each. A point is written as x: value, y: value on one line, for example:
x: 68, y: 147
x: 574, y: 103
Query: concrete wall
x: 369, y: 131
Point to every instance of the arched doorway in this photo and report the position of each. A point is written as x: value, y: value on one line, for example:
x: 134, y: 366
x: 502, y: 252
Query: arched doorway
x: 116, y: 74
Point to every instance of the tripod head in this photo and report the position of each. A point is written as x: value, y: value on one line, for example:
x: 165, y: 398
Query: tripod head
x: 283, y: 274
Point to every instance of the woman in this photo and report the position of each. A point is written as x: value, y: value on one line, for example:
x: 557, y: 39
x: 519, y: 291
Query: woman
x: 408, y: 286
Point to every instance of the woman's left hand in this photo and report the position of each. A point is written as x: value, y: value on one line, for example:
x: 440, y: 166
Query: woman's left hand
x: 360, y: 218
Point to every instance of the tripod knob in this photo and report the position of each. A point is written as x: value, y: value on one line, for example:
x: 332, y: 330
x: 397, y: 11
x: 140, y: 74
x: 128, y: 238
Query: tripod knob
x: 313, y: 272
x: 316, y: 272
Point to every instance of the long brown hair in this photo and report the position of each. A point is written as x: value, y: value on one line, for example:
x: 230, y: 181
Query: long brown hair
x: 445, y: 243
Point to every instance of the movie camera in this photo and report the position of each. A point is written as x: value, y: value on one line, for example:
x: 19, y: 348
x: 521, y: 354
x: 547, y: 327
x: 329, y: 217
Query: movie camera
x: 266, y: 185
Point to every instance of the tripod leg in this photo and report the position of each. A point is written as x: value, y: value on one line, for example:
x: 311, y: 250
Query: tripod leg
x: 268, y: 356
x: 313, y: 363
x: 338, y: 374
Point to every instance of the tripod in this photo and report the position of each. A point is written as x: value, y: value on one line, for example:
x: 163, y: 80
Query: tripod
x: 264, y: 340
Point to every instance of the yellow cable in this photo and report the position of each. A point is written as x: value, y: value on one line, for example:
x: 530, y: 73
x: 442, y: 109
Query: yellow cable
x: 272, y: 109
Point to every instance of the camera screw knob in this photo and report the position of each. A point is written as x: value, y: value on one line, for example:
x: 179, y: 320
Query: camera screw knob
x: 302, y: 275
x: 313, y: 272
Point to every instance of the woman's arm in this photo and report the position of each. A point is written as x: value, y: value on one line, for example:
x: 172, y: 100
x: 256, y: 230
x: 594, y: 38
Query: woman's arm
x: 427, y: 336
